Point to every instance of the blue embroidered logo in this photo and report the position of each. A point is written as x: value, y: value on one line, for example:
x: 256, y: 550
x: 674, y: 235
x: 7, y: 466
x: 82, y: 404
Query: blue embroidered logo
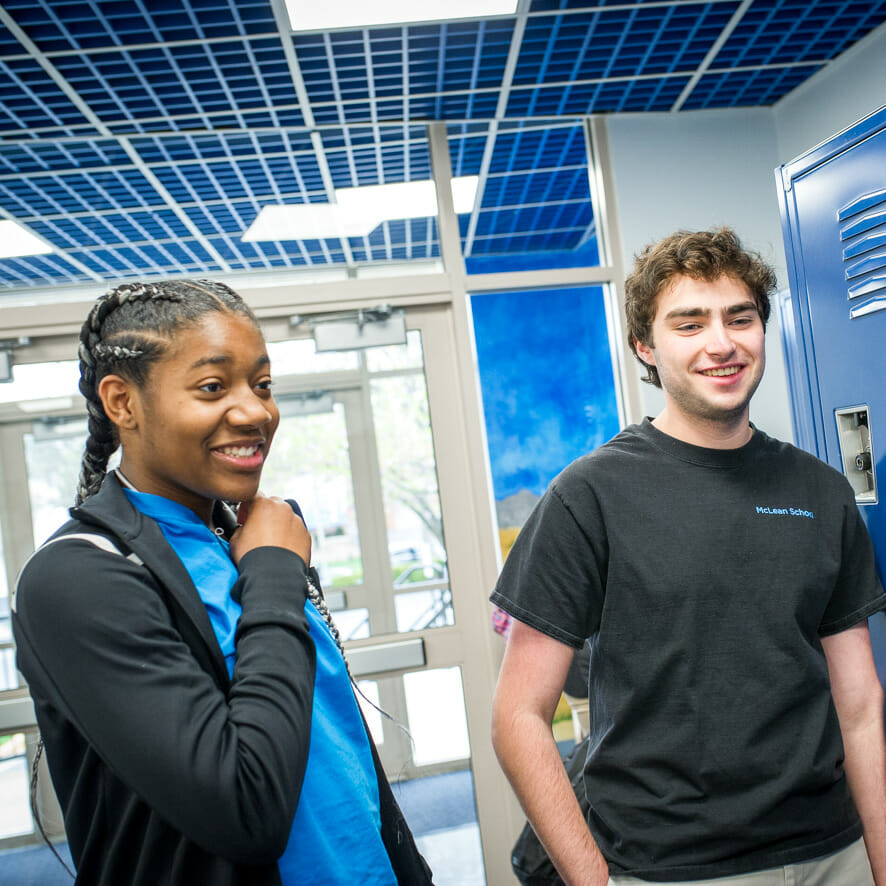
x: 786, y: 512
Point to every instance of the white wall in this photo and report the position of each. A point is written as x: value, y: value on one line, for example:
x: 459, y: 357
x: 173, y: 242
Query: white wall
x: 850, y: 88
x: 697, y: 170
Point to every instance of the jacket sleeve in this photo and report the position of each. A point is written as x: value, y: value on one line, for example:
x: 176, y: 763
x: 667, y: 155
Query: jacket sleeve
x: 95, y: 638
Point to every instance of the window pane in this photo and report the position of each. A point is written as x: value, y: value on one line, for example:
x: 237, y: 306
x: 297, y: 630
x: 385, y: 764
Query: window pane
x: 548, y: 389
x: 8, y: 673
x: 15, y: 811
x: 397, y: 356
x: 409, y: 479
x: 300, y: 357
x: 31, y: 381
x: 310, y: 462
x: 436, y: 711
x: 53, y: 454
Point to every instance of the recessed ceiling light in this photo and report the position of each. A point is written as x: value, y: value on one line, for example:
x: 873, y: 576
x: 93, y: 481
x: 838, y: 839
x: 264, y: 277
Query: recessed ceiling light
x: 331, y: 15
x: 17, y: 241
x: 357, y: 211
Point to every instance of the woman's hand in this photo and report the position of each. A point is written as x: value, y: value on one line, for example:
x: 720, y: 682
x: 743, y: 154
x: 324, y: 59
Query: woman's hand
x: 270, y: 522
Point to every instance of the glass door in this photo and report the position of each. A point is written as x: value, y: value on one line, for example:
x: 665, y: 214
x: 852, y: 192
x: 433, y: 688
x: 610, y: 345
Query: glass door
x: 355, y: 449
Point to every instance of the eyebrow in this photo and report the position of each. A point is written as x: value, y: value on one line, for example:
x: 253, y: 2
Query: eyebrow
x: 220, y: 359
x: 739, y: 308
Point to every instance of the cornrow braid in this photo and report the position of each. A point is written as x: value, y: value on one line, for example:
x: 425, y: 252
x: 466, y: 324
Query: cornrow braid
x: 127, y: 330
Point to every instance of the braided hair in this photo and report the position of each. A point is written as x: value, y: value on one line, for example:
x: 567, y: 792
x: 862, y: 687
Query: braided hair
x: 127, y: 331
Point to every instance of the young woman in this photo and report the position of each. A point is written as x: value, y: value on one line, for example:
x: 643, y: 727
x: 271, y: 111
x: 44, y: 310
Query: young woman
x: 199, y: 719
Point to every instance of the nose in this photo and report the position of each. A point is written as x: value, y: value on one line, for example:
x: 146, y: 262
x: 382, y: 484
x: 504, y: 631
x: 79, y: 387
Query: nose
x: 249, y: 410
x: 719, y: 343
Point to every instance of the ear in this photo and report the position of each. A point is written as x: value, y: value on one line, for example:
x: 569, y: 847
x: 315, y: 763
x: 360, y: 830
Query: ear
x: 118, y: 398
x: 644, y: 352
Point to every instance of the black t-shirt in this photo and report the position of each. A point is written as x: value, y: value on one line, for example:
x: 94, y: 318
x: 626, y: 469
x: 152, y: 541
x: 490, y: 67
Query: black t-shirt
x: 704, y: 579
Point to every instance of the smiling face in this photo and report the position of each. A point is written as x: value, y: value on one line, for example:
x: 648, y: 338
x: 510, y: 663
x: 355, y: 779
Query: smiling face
x: 201, y: 428
x: 708, y: 345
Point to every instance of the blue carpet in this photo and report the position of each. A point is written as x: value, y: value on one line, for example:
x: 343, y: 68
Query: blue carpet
x: 35, y: 866
x: 437, y: 802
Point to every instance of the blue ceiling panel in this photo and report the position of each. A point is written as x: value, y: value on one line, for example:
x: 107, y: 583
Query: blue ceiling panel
x: 39, y: 270
x: 213, y: 85
x: 90, y: 230
x: 64, y: 25
x: 31, y: 100
x: 603, y: 96
x: 746, y: 89
x: 627, y: 42
x: 796, y: 30
x: 34, y: 156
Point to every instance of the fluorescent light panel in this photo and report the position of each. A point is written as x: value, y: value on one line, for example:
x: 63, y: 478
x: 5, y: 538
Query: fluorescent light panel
x: 16, y: 241
x: 357, y: 211
x: 331, y: 15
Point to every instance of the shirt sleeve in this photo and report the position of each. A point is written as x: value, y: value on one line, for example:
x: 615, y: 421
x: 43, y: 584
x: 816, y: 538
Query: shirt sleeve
x: 554, y: 577
x: 858, y: 592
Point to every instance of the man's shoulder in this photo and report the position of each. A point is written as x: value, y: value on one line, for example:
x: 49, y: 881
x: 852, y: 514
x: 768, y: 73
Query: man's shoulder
x: 628, y: 443
x: 790, y: 454
x: 600, y: 473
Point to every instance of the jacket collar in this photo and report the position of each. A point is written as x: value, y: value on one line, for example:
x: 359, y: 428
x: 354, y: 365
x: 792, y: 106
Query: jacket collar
x: 111, y: 510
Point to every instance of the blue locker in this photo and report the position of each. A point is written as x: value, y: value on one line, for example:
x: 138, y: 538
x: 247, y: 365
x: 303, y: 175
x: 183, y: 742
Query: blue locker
x: 833, y: 207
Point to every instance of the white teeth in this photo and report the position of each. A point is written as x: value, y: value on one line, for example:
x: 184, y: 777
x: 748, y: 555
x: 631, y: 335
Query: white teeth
x: 726, y: 370
x: 240, y: 451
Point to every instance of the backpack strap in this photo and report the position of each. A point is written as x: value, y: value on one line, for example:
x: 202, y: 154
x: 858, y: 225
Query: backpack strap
x: 94, y: 538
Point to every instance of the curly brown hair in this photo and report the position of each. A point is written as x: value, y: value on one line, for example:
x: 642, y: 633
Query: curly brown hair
x: 702, y: 255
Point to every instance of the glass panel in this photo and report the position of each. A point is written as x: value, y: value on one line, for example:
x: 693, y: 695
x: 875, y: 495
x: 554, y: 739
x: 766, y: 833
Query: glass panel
x: 53, y: 453
x: 310, y: 462
x: 548, y: 390
x: 426, y: 755
x: 367, y: 696
x: 436, y: 713
x: 15, y: 811
x: 32, y: 381
x: 352, y: 624
x: 300, y: 357
x: 409, y: 478
x: 8, y: 673
x: 397, y: 356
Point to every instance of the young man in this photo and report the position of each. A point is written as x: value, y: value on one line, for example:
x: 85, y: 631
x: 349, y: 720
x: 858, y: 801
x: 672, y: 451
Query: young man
x: 724, y: 580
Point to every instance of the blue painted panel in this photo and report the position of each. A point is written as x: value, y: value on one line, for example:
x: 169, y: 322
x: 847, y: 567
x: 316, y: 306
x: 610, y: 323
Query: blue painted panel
x: 834, y: 227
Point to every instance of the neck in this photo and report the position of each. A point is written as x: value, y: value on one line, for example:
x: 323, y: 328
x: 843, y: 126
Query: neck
x: 724, y: 433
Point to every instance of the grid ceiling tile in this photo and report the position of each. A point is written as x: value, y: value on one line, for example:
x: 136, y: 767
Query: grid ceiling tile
x: 39, y: 270
x: 796, y: 30
x: 198, y: 81
x: 31, y: 100
x: 61, y: 25
x: 654, y: 94
x: 622, y: 42
x: 349, y: 68
x: 36, y: 157
x: 746, y: 89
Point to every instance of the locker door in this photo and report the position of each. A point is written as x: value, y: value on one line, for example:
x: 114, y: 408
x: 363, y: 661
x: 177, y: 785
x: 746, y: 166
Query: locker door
x: 834, y: 219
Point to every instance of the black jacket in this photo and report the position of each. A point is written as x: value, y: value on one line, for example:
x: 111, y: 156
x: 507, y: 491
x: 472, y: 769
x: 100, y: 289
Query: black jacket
x: 168, y: 771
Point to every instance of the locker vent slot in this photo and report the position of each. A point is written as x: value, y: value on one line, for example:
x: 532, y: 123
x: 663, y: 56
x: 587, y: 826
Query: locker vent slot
x: 862, y: 237
x: 868, y: 307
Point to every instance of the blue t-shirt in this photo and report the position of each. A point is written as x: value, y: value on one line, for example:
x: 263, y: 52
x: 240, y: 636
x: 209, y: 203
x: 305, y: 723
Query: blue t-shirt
x: 337, y: 827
